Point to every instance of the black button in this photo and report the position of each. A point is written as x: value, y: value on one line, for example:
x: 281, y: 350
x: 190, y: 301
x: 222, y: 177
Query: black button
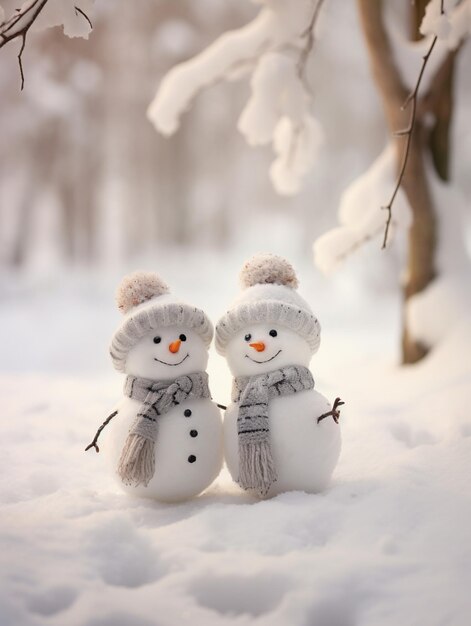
x: 193, y: 433
x: 187, y: 413
x: 191, y: 458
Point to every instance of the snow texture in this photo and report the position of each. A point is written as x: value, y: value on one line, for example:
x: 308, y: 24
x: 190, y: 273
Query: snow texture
x: 443, y: 305
x: 277, y: 111
x: 446, y: 302
x: 408, y: 54
x: 296, y: 146
x: 360, y: 215
x: 387, y: 544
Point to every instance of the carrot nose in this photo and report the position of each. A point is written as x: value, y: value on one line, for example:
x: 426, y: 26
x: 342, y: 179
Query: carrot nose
x: 258, y: 345
x: 174, y: 347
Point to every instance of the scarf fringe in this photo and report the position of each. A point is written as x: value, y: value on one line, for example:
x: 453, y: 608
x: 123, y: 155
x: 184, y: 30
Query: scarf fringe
x: 256, y: 466
x: 137, y: 463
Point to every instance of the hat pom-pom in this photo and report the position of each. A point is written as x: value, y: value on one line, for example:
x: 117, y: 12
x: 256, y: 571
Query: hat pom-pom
x: 137, y: 288
x: 268, y: 269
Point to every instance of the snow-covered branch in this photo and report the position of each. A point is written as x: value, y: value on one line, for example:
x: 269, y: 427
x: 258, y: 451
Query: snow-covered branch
x: 17, y: 27
x: 449, y: 28
x: 360, y: 220
x: 451, y: 25
x: 407, y: 132
x: 72, y: 15
x: 444, y: 26
x: 274, y: 47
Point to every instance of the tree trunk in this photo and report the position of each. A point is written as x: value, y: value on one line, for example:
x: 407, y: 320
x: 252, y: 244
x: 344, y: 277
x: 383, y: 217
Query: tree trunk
x: 422, y: 235
x: 438, y: 101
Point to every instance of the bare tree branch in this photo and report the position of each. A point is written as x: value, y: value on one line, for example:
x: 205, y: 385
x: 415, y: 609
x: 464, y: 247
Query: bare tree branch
x: 78, y: 11
x: 407, y: 132
x: 17, y: 27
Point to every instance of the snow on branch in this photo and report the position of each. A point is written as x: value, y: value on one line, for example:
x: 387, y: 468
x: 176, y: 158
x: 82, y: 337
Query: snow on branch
x: 450, y: 27
x: 407, y: 132
x: 360, y: 220
x: 359, y: 217
x: 274, y: 48
x: 72, y: 15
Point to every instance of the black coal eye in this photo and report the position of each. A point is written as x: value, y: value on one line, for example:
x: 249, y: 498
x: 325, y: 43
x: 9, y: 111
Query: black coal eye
x: 248, y: 337
x: 182, y: 337
x: 157, y: 339
x: 273, y: 333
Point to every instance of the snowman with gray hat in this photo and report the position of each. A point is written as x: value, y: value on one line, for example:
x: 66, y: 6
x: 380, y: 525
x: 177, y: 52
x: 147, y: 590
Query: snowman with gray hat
x: 280, y: 433
x: 165, y: 435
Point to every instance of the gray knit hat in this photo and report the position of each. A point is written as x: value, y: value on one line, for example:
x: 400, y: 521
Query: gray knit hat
x: 147, y: 304
x: 269, y: 294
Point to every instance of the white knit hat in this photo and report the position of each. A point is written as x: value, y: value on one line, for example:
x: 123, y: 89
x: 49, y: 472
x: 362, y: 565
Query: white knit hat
x: 269, y: 295
x: 147, y: 304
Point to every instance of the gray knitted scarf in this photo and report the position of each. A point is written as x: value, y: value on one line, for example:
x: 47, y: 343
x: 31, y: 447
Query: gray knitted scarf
x: 137, y: 463
x: 253, y: 393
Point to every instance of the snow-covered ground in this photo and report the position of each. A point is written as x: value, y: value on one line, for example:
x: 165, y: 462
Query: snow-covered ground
x: 387, y: 544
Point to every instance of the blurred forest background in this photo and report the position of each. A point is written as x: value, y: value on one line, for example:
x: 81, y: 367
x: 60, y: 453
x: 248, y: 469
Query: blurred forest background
x: 85, y: 179
x: 87, y: 186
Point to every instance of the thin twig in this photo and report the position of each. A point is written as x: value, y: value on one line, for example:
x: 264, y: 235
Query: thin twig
x: 309, y: 33
x: 359, y: 243
x: 78, y: 10
x: 407, y: 132
x: 17, y: 27
x: 20, y: 61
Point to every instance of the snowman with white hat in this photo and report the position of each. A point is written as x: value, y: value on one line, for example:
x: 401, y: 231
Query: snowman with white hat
x: 165, y: 435
x: 280, y: 434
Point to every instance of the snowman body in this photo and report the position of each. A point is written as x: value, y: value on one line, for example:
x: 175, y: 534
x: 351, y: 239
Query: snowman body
x: 304, y: 450
x: 188, y: 446
x: 188, y: 449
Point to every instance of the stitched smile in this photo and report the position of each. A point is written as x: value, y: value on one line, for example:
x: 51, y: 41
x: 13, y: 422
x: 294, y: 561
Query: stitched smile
x: 271, y: 359
x: 179, y: 362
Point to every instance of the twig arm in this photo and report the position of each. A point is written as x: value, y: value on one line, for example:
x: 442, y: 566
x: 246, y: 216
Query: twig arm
x: 94, y: 443
x: 334, y: 412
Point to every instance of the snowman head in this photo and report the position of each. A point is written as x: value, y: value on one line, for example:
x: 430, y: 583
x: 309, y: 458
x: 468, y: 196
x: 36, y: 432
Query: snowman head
x: 269, y: 325
x: 167, y: 353
x: 160, y: 337
x: 261, y: 348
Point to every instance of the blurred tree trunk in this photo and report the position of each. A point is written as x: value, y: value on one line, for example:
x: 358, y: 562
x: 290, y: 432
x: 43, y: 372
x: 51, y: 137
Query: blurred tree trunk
x: 434, y: 141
